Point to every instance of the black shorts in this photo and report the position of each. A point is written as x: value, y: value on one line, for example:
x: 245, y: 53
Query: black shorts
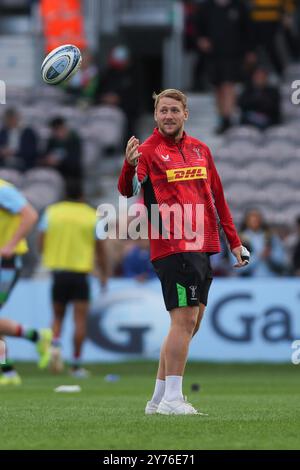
x: 223, y: 70
x: 185, y: 279
x: 10, y: 270
x: 70, y: 287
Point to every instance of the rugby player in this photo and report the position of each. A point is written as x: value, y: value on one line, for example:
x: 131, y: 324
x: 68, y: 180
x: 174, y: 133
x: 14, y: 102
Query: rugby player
x: 176, y: 170
x: 17, y: 217
x: 69, y: 245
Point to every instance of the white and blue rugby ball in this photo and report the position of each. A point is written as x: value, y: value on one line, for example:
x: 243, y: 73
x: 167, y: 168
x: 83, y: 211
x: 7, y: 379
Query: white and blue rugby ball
x: 61, y: 64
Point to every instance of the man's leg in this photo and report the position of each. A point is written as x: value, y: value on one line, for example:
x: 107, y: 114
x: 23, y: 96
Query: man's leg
x: 199, y: 318
x: 80, y: 317
x: 59, y: 310
x: 8, y: 278
x: 159, y: 389
x: 11, y: 328
x: 42, y: 339
x: 161, y: 373
x: 183, y: 323
x: 226, y: 100
x: 9, y: 375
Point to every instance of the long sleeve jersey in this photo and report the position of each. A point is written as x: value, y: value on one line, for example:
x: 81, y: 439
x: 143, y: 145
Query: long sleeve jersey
x: 182, y: 186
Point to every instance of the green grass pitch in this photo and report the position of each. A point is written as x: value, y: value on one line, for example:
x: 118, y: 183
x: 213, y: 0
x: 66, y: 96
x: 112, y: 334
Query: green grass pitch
x: 249, y: 407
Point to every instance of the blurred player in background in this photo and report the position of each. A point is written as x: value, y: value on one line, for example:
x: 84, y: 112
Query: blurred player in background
x: 17, y: 218
x: 175, y: 169
x: 69, y: 246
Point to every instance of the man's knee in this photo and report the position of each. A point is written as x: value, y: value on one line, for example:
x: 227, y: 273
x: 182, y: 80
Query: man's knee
x: 186, y: 319
x: 199, y: 318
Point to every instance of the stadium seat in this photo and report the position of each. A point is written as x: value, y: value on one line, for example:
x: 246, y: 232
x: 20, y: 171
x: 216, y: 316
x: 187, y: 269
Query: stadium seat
x: 42, y: 186
x: 41, y: 195
x: 47, y: 176
x: 107, y: 124
x: 91, y: 155
x: 243, y: 134
x: 12, y: 176
x: 289, y: 134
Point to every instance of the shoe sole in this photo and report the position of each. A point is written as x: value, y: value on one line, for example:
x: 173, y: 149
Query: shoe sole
x: 151, y: 412
x: 179, y: 414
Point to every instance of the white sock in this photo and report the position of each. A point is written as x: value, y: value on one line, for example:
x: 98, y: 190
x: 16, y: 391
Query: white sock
x: 159, y: 391
x: 173, y: 388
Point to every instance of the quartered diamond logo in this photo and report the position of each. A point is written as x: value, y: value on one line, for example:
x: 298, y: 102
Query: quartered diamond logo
x: 193, y: 290
x: 198, y: 152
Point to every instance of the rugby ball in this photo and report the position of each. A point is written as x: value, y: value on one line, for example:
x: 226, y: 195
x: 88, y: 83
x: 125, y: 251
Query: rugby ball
x: 61, y: 64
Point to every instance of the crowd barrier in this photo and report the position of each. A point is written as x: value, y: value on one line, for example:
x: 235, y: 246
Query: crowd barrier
x: 254, y: 320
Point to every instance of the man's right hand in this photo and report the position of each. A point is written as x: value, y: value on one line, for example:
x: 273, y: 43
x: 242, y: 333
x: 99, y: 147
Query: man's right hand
x: 132, y: 153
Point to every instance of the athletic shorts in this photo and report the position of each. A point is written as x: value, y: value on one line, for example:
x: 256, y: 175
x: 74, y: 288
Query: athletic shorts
x: 70, y: 287
x: 223, y: 70
x: 9, y: 273
x: 185, y: 279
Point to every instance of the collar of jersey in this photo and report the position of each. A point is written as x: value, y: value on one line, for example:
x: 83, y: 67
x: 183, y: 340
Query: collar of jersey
x: 168, y: 140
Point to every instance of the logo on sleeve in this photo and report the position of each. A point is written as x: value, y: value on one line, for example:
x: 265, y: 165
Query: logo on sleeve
x: 198, y: 153
x: 185, y: 174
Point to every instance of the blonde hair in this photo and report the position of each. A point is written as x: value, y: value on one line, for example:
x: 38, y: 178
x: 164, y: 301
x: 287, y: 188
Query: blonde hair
x: 170, y: 93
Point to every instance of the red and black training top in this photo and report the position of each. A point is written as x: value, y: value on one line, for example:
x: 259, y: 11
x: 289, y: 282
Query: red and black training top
x: 183, y: 174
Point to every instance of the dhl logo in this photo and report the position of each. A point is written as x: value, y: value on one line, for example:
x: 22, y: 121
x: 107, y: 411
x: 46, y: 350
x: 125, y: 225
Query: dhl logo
x: 185, y: 174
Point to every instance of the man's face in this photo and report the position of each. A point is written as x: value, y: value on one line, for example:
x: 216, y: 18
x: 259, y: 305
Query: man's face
x: 12, y: 121
x: 170, y: 116
x: 260, y: 78
x: 61, y: 132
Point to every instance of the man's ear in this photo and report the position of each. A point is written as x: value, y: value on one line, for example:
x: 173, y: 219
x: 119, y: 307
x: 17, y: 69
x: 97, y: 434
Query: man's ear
x: 186, y: 114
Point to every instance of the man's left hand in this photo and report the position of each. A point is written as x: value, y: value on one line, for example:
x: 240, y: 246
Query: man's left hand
x: 242, y: 255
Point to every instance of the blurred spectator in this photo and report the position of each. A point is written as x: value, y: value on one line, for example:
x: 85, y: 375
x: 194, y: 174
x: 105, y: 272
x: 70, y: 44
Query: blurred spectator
x: 296, y: 252
x: 267, y: 18
x: 268, y: 257
x: 83, y: 85
x: 63, y: 150
x: 291, y: 28
x: 260, y: 101
x: 289, y: 235
x: 136, y: 262
x: 117, y: 86
x: 200, y: 79
x: 18, y: 144
x: 223, y: 30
